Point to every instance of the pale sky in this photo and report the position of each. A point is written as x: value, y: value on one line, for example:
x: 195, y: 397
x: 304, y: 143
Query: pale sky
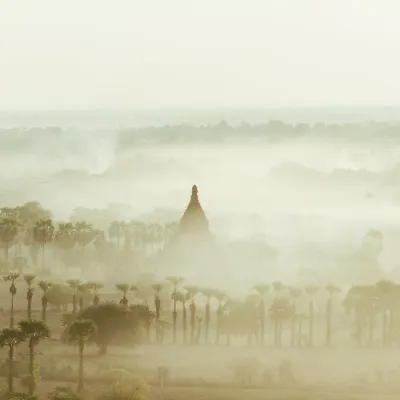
x: 198, y: 53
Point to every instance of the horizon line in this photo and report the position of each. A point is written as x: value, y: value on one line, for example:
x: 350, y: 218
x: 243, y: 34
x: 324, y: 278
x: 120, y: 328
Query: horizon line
x: 203, y: 108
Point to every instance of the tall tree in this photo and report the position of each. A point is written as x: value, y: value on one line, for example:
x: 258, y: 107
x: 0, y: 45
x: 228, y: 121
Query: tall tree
x: 11, y: 337
x: 170, y: 230
x: 116, y: 231
x: 175, y: 282
x: 332, y: 290
x: 294, y: 294
x: 125, y: 288
x: 157, y: 302
x: 181, y: 297
x: 311, y: 291
x: 65, y: 236
x: 43, y: 233
x: 12, y: 277
x: 221, y: 297
x: 84, y: 234
x: 82, y: 290
x: 29, y: 278
x: 385, y: 292
x: 45, y: 286
x: 74, y: 285
x: 80, y: 331
x: 154, y: 235
x: 262, y: 290
x: 207, y: 312
x: 34, y: 331
x: 96, y: 287
x: 280, y: 311
x: 192, y: 291
x: 9, y: 228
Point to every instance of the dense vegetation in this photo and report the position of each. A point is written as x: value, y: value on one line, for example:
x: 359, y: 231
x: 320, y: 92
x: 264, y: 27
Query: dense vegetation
x: 159, y: 312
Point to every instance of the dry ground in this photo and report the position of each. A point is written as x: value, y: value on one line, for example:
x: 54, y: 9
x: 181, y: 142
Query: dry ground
x: 323, y: 373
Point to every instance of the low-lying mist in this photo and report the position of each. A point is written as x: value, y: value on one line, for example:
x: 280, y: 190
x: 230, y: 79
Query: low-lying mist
x: 309, y: 192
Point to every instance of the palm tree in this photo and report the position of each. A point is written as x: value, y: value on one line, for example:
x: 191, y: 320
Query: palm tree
x: 221, y: 297
x: 34, y: 331
x: 95, y: 286
x: 191, y: 292
x: 175, y: 281
x: 84, y: 234
x: 65, y: 236
x: 262, y: 291
x: 280, y: 311
x: 332, y: 290
x: 125, y: 288
x: 43, y: 233
x: 154, y: 235
x: 74, y: 285
x: 137, y: 230
x: 80, y: 331
x: 171, y: 228
x: 29, y: 278
x: 278, y: 289
x: 12, y: 277
x: 385, y: 292
x: 181, y: 297
x: 157, y: 302
x: 11, y: 337
x: 116, y: 231
x: 81, y: 290
x: 45, y: 286
x: 208, y: 293
x: 311, y: 291
x: 294, y: 294
x: 9, y: 229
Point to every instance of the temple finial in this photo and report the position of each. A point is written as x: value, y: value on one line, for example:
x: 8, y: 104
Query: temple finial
x: 194, y: 190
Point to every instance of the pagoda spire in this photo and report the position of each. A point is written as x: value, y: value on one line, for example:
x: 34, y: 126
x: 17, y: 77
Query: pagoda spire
x: 194, y: 219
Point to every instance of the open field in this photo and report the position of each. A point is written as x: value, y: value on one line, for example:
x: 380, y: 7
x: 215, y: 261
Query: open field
x: 202, y: 372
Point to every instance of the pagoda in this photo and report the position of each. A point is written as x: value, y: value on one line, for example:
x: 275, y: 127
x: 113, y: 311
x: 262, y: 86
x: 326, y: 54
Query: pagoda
x: 194, y: 220
x: 192, y: 250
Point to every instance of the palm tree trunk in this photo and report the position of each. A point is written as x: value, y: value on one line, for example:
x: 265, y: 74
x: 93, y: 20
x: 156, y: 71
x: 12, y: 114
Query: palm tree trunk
x: 371, y: 327
x: 42, y: 256
x: 44, y: 308
x: 391, y: 325
x: 280, y: 330
x: 207, y: 321
x: 12, y: 312
x: 74, y: 303
x: 328, y: 322
x: 158, y: 308
x: 311, y: 324
x: 218, y: 331
x: 359, y: 329
x: 184, y: 322
x: 384, y: 328
x: 81, y: 348
x: 192, y: 322
x: 174, y: 320
x: 11, y: 369
x: 31, y: 387
x: 276, y: 331
x: 29, y: 307
x: 293, y: 326
x: 300, y: 334
x: 262, y: 322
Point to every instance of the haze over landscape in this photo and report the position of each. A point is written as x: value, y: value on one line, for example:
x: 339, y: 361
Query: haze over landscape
x: 207, y: 192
